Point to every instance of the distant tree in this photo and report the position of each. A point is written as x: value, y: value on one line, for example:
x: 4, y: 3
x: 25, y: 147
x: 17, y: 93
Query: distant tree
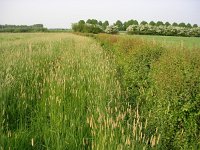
x: 189, y: 25
x: 38, y: 25
x: 182, y: 24
x: 100, y: 23
x: 81, y: 22
x: 89, y: 21
x: 195, y: 25
x: 167, y: 24
x: 159, y: 23
x: 175, y: 24
x: 119, y: 24
x: 143, y: 23
x: 152, y: 23
x: 135, y: 22
x: 129, y: 22
x: 105, y: 24
x: 92, y: 21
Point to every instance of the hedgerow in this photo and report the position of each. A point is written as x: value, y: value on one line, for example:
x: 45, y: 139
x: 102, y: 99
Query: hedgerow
x: 163, y: 30
x: 164, y: 84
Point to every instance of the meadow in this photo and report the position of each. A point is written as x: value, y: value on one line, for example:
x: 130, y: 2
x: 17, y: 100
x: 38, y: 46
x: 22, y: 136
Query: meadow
x: 113, y: 92
x: 171, y: 41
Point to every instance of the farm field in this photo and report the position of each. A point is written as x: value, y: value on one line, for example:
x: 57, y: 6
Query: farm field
x: 66, y: 91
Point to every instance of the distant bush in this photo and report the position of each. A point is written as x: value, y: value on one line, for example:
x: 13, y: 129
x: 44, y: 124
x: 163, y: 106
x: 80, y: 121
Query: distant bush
x: 112, y: 29
x: 87, y: 28
x: 22, y: 28
x: 164, y: 30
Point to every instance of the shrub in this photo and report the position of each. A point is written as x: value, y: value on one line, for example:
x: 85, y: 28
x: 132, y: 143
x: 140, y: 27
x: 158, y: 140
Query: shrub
x: 163, y: 30
x: 112, y: 29
x: 87, y: 28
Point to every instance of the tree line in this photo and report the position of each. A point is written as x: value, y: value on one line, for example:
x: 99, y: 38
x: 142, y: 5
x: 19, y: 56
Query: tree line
x: 134, y: 27
x: 22, y: 28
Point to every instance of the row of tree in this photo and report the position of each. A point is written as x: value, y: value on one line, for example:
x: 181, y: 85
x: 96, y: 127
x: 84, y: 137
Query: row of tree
x: 134, y: 27
x: 163, y: 30
x: 22, y: 28
x: 125, y: 25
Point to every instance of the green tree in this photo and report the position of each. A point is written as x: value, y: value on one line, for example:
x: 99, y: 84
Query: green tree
x: 119, y: 24
x: 175, y: 24
x: 159, y: 23
x: 195, y: 25
x: 105, y: 24
x: 100, y: 23
x: 81, y: 22
x: 130, y: 22
x: 152, y: 23
x: 167, y: 24
x: 143, y: 23
x: 182, y: 24
x: 189, y: 25
x: 92, y: 21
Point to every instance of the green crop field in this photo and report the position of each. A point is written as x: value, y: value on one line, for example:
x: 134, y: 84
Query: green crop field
x: 105, y: 92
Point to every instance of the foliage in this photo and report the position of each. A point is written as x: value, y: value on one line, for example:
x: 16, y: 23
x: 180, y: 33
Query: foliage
x: 163, y: 30
x: 164, y: 83
x: 167, y: 24
x: 112, y: 29
x: 61, y: 91
x: 119, y: 24
x: 22, y: 28
x: 128, y: 23
x: 152, y: 23
x: 144, y: 23
x: 159, y: 23
x: 87, y: 28
x: 105, y: 24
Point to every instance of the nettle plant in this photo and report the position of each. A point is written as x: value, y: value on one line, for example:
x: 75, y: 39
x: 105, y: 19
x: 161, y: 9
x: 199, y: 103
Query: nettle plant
x: 112, y: 29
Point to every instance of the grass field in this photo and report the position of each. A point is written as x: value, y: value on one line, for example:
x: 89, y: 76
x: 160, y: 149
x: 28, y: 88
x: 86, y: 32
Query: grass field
x: 172, y: 41
x: 65, y: 91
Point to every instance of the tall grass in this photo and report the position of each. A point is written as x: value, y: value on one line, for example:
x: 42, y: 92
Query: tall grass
x: 164, y: 83
x: 61, y: 91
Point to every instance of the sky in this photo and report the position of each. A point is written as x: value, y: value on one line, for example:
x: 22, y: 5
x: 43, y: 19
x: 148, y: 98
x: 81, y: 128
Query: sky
x: 62, y: 13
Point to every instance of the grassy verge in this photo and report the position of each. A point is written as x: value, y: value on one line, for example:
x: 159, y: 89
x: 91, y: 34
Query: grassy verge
x: 164, y: 83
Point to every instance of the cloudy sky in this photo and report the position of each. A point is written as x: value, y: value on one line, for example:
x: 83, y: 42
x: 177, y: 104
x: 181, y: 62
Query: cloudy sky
x: 62, y: 13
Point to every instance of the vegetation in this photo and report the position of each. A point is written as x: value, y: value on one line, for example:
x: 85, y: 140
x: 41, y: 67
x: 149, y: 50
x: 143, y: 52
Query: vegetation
x: 87, y: 28
x: 60, y: 91
x: 164, y: 84
x: 22, y: 28
x: 165, y: 30
x: 169, y: 41
x: 133, y: 27
x: 112, y: 29
x: 65, y: 91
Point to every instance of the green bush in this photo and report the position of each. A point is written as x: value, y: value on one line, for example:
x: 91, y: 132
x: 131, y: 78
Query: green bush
x: 112, y: 30
x: 163, y: 30
x: 87, y: 28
